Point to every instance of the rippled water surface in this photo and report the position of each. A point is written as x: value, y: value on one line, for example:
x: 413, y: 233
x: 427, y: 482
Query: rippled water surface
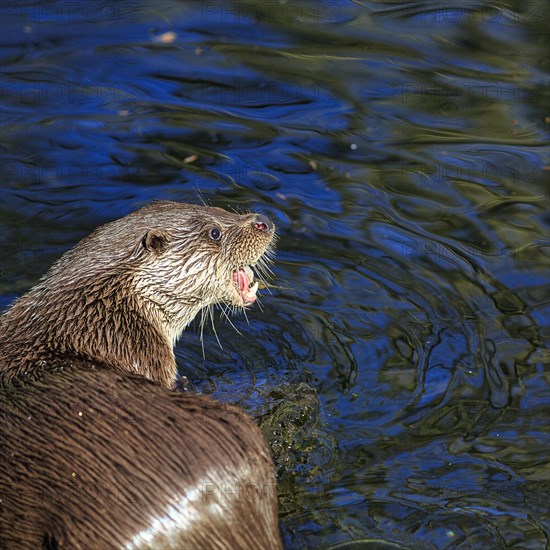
x: 401, y: 149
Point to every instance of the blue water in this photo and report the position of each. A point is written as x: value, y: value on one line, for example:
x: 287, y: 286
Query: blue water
x: 402, y: 151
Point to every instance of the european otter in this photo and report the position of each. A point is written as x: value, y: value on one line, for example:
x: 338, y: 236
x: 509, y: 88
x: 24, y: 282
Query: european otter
x: 96, y: 451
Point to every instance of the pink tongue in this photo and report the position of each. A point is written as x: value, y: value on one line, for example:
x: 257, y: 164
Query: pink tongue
x: 243, y: 282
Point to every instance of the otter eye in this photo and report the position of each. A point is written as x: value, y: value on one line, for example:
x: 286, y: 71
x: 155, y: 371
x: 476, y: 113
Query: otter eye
x: 215, y: 234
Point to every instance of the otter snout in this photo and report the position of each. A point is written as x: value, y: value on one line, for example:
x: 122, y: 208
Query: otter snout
x: 263, y: 223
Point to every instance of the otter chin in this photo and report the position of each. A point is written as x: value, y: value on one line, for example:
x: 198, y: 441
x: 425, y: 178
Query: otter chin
x: 97, y: 451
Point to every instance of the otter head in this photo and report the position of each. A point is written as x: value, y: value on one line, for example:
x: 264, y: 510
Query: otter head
x: 123, y: 295
x: 191, y: 257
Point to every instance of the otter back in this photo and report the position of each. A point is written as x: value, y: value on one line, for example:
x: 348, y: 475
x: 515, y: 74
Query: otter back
x: 93, y: 458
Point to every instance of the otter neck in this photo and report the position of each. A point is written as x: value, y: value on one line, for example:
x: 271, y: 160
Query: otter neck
x: 172, y: 318
x: 99, y: 321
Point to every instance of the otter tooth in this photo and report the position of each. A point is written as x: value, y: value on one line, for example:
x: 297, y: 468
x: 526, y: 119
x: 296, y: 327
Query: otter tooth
x: 253, y: 289
x: 249, y: 272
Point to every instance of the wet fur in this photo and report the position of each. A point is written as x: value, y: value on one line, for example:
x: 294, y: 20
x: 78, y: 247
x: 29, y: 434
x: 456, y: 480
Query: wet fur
x: 93, y: 454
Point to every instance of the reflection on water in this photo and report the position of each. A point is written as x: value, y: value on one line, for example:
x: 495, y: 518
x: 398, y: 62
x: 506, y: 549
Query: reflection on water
x: 401, y: 150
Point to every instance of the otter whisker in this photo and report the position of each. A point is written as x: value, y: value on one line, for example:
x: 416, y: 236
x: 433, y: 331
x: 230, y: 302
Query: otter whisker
x: 211, y: 311
x: 235, y: 210
x: 264, y: 273
x: 198, y: 193
x: 246, y: 317
x: 263, y: 265
x: 224, y: 311
x: 202, y: 333
x: 260, y: 305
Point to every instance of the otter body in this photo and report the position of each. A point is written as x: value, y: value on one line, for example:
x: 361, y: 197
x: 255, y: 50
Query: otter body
x: 96, y: 450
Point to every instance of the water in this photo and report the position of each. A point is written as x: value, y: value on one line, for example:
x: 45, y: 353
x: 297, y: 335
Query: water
x: 401, y: 149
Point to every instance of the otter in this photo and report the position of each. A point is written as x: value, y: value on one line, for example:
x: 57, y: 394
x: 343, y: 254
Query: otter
x: 97, y: 449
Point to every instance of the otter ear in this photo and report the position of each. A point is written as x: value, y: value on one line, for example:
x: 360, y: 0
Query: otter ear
x: 155, y: 240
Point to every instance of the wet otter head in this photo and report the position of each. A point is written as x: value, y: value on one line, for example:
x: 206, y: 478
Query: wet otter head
x: 124, y: 294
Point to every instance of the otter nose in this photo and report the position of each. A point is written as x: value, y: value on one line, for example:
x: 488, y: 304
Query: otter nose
x: 262, y: 223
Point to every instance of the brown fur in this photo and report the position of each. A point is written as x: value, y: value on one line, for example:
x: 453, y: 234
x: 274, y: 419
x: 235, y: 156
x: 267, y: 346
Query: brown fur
x: 94, y: 455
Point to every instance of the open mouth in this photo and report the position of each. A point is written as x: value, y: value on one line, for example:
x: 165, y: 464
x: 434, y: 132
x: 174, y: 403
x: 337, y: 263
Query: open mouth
x: 243, y: 277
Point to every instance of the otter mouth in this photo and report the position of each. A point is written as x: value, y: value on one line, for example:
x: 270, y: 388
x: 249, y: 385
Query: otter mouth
x: 243, y: 277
